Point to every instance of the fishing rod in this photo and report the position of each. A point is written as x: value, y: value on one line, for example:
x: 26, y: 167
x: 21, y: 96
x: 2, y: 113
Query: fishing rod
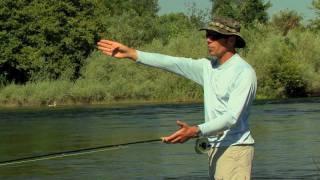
x: 202, y: 146
x: 71, y: 153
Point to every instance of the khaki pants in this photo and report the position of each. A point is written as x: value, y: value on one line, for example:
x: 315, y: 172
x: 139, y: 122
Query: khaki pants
x: 231, y: 163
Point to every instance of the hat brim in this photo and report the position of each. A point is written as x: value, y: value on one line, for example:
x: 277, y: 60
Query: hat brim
x: 240, y: 42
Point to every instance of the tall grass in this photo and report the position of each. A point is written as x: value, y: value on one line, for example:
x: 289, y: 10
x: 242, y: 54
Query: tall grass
x: 40, y: 93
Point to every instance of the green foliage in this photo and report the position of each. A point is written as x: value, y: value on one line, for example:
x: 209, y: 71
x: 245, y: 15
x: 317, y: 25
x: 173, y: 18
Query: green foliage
x: 41, y: 93
x: 131, y: 22
x: 47, y: 39
x: 3, y: 81
x: 59, y: 36
x: 286, y: 20
x: 88, y: 91
x: 284, y: 65
x: 132, y: 29
x: 198, y: 17
x: 245, y: 11
x: 308, y: 55
x: 173, y: 25
x: 45, y: 44
x: 44, y: 40
x: 315, y: 23
x: 225, y: 8
x: 141, y: 7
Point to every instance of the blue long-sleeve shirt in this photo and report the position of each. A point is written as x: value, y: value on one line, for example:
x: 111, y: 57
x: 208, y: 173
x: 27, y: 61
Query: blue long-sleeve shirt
x: 229, y: 90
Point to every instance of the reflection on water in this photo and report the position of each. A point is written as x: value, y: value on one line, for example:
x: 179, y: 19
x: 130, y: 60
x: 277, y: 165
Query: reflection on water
x: 286, y: 134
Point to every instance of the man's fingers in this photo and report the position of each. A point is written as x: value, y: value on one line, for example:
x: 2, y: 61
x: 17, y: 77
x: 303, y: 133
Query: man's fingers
x: 178, y: 136
x: 110, y: 50
x: 171, y: 140
x: 107, y: 46
x: 182, y: 124
x: 105, y: 51
x: 107, y: 42
x: 172, y: 136
x: 101, y: 48
x: 177, y: 140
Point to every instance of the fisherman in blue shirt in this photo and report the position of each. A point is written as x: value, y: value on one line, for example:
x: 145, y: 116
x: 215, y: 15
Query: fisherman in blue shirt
x: 229, y: 85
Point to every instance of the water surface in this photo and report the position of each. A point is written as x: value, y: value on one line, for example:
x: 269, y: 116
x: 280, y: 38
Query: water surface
x: 286, y: 134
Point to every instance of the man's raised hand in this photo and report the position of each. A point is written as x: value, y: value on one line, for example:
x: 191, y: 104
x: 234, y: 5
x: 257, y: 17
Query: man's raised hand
x: 117, y: 50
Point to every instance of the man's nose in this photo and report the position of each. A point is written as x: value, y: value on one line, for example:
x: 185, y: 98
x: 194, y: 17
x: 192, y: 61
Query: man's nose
x: 209, y: 40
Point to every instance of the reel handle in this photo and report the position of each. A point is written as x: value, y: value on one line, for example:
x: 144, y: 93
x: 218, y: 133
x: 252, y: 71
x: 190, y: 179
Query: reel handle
x: 202, y: 145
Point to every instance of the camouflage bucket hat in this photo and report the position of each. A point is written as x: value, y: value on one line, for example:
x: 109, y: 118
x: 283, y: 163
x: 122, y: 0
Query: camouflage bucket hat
x: 227, y: 26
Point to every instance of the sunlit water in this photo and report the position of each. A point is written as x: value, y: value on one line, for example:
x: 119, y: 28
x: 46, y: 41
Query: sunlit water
x: 287, y: 135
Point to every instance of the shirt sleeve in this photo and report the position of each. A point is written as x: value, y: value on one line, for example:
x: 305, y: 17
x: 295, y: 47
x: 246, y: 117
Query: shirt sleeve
x: 242, y: 95
x: 186, y: 67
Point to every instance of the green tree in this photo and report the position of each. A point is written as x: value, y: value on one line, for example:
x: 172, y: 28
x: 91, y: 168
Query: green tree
x: 141, y: 7
x: 131, y: 28
x: 246, y: 11
x: 225, y: 8
x: 286, y: 21
x: 136, y: 23
x: 175, y: 24
x: 44, y: 39
x: 315, y: 23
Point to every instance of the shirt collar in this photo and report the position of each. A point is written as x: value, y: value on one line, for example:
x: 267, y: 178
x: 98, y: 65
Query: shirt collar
x: 229, y: 62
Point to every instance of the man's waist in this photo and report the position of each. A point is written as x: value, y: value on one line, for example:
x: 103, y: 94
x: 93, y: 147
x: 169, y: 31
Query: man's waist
x: 232, y: 139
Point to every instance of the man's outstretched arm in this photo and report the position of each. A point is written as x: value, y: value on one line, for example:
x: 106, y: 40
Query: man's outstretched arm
x: 186, y: 67
x: 118, y: 50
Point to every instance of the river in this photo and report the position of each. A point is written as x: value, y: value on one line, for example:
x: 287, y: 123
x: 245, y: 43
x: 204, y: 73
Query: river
x: 286, y: 133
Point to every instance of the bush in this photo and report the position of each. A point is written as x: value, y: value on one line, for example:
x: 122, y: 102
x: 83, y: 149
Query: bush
x: 283, y: 64
x: 47, y: 39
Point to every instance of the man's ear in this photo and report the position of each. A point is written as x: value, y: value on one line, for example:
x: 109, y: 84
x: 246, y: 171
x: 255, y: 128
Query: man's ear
x: 232, y: 41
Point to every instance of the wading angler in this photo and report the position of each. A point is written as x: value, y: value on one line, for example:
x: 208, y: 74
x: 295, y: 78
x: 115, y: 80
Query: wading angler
x: 229, y: 86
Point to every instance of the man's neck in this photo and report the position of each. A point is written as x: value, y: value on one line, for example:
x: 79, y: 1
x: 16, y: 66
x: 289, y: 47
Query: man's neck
x: 226, y: 56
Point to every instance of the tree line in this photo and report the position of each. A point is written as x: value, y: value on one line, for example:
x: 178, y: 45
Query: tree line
x: 53, y: 42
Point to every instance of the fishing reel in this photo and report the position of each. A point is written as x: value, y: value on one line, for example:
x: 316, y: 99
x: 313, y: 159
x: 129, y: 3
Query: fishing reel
x: 202, y: 145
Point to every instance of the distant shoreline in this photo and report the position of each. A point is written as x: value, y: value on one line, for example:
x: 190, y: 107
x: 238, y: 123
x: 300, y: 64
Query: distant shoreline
x: 144, y: 102
x: 102, y: 103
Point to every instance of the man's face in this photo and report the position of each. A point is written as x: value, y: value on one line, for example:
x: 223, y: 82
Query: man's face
x: 217, y: 43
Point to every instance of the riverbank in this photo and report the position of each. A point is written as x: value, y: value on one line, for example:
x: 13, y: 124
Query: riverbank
x: 122, y: 103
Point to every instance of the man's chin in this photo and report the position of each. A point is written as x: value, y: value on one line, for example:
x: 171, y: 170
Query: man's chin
x: 212, y: 53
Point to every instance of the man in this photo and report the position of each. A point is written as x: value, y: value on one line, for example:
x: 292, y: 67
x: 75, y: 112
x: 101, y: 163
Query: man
x: 229, y: 85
